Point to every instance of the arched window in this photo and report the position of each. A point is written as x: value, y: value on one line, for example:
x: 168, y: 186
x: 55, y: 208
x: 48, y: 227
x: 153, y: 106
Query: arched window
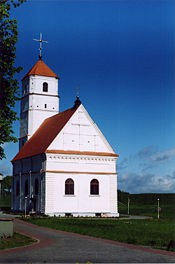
x: 69, y: 186
x: 45, y: 87
x: 94, y: 187
x: 36, y: 187
x: 17, y: 188
x: 26, y: 188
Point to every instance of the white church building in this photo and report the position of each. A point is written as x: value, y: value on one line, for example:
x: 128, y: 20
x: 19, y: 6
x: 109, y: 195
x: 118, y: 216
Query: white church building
x: 65, y: 165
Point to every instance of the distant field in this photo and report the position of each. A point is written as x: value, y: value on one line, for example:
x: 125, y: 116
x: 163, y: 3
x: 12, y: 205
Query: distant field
x: 167, y: 211
x: 146, y: 204
x: 151, y: 198
x: 146, y: 198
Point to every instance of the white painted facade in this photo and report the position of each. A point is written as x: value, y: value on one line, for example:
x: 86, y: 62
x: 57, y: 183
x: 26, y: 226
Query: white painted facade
x: 81, y: 134
x: 79, y: 152
x: 82, y: 202
x: 52, y: 170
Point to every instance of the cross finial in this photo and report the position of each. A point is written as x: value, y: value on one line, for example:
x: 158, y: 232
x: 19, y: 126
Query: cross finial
x: 41, y: 41
x: 77, y: 89
x: 77, y: 101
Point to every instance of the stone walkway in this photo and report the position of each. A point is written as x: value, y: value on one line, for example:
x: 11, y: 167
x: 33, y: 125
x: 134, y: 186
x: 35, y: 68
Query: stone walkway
x: 56, y: 246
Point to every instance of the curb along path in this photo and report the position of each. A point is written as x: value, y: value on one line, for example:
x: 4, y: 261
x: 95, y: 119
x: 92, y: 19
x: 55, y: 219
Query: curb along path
x: 61, y: 246
x: 41, y: 241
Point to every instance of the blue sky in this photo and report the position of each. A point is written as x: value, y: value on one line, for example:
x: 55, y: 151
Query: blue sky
x: 121, y: 54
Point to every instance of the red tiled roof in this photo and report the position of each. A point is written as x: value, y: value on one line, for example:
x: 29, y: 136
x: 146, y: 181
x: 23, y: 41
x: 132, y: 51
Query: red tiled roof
x: 45, y: 134
x: 40, y: 68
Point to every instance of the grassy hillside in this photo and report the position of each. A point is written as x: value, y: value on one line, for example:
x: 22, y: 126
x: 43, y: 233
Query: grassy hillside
x: 146, y: 204
x: 146, y: 198
x: 151, y: 198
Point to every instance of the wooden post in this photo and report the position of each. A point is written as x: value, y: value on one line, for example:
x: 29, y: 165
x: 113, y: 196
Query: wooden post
x: 25, y: 205
x: 128, y: 205
x: 158, y: 208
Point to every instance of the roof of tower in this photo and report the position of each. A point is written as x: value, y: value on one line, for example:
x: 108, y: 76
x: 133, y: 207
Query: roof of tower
x: 40, y: 68
x: 45, y: 134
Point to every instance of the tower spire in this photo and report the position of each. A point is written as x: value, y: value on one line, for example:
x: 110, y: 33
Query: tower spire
x: 40, y: 41
x: 77, y: 102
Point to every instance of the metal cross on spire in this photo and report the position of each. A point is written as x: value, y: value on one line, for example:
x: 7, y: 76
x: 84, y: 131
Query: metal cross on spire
x: 77, y: 89
x: 41, y: 41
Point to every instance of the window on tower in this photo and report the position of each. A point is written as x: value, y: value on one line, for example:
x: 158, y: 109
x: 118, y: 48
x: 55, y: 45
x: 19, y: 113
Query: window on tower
x: 69, y: 186
x: 45, y: 87
x: 94, y: 187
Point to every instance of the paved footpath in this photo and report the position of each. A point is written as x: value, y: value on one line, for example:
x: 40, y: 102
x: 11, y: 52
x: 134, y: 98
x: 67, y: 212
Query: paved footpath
x: 54, y: 246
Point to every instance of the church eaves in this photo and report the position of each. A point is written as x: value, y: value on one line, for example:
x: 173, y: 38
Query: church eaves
x: 45, y: 134
x: 40, y: 68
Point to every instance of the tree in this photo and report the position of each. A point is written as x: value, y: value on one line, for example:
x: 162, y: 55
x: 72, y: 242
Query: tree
x: 8, y: 84
x: 7, y: 184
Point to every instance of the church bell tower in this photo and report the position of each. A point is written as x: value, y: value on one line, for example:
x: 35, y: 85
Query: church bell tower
x: 40, y: 98
x: 39, y: 101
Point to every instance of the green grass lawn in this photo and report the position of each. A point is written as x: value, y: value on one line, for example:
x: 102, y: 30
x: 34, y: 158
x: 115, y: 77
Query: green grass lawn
x: 140, y: 232
x: 17, y: 240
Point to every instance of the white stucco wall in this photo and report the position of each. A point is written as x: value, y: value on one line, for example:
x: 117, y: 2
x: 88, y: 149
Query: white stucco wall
x: 81, y: 202
x: 37, y: 105
x: 81, y: 134
x: 82, y: 169
x: 36, y: 118
x: 81, y: 163
x: 23, y: 124
x: 36, y: 84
